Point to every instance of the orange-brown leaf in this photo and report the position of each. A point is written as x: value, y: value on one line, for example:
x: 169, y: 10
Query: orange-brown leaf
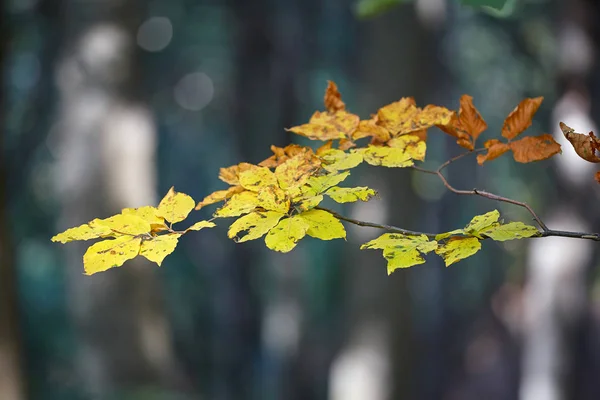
x: 470, y: 120
x: 333, y: 98
x: 597, y: 176
x: 453, y: 128
x: 534, y: 148
x: 368, y: 128
x: 586, y: 146
x: 231, y: 174
x: 495, y: 149
x: 520, y: 118
x: 346, y: 144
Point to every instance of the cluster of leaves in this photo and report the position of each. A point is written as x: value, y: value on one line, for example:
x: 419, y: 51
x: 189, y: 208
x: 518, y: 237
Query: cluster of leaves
x: 280, y: 198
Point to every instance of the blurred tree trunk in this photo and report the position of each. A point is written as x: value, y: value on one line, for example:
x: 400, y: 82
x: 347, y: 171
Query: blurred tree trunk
x: 12, y: 385
x: 107, y: 143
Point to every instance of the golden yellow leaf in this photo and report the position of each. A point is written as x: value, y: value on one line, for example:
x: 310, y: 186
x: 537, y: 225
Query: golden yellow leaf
x: 238, y: 204
x: 333, y: 98
x: 296, y: 171
x: 350, y: 195
x: 175, y: 206
x: 327, y: 126
x: 457, y: 249
x: 386, y: 156
x: 520, y: 118
x: 272, y: 198
x: 534, y: 148
x: 286, y: 234
x: 368, y: 128
x: 254, y: 225
x: 322, y: 225
x: 147, y: 213
x: 256, y: 178
x: 157, y: 248
x: 586, y: 146
x: 219, y: 196
x: 126, y: 224
x: 411, y: 145
x: 91, y: 230
x: 403, y: 117
x: 231, y: 174
x: 319, y: 184
x: 110, y: 253
x: 337, y: 160
x: 308, y: 203
x: 495, y: 149
x: 200, y: 225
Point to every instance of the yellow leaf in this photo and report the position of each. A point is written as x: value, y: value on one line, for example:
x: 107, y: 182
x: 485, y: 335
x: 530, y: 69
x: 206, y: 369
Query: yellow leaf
x: 510, y: 231
x: 126, y: 224
x: 147, y: 213
x: 91, y: 230
x: 272, y: 198
x: 327, y: 126
x: 175, y: 206
x: 386, y: 156
x: 200, y: 225
x: 110, y: 253
x: 309, y: 203
x: 286, y: 234
x: 445, y: 235
x: 404, y: 116
x: 368, y: 128
x: 457, y: 249
x: 296, y: 171
x: 238, y: 204
x: 323, y: 225
x: 481, y: 222
x: 411, y: 145
x: 231, y: 174
x: 336, y: 160
x: 349, y: 195
x: 257, y: 177
x: 219, y: 195
x: 157, y: 248
x: 319, y: 184
x: 254, y: 225
x: 402, y: 251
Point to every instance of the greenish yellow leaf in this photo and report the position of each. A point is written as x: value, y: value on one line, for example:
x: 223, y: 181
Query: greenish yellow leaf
x: 402, y: 257
x: 157, y: 248
x: 91, y: 230
x: 411, y: 145
x: 322, y: 225
x: 457, y: 249
x: 200, y: 225
x: 175, y: 206
x: 402, y: 251
x: 386, y: 156
x: 349, y: 195
x: 126, y: 224
x: 445, y: 235
x: 110, y: 253
x: 286, y: 234
x: 272, y: 198
x: 337, y: 160
x: 319, y: 184
x: 238, y: 204
x: 510, y: 231
x: 309, y: 203
x: 256, y: 178
x: 481, y: 222
x: 254, y: 225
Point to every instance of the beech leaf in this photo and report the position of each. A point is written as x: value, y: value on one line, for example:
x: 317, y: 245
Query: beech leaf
x: 255, y: 225
x: 586, y: 146
x: 534, y: 148
x: 520, y: 118
x: 157, y: 248
x: 175, y: 206
x: 457, y: 249
x: 286, y: 234
x: 110, y: 253
x: 322, y: 225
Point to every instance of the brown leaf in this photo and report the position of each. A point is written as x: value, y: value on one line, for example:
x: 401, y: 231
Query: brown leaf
x: 520, y: 118
x: 368, y: 128
x: 467, y: 126
x: 495, y: 149
x: 597, y: 176
x: 534, y: 148
x: 586, y: 146
x: 346, y: 144
x: 333, y: 98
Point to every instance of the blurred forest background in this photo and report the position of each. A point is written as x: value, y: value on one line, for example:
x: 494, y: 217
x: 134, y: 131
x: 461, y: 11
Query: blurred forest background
x: 105, y: 104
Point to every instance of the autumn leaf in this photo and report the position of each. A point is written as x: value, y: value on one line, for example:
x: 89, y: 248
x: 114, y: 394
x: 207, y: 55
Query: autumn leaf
x: 147, y: 213
x: 92, y: 230
x: 495, y: 149
x: 333, y: 98
x: 238, y: 204
x: 157, y: 248
x: 457, y: 249
x: 534, y: 148
x: 350, y: 195
x: 586, y: 146
x: 510, y: 231
x: 201, y: 225
x: 219, y: 195
x: 308, y: 203
x: 126, y: 224
x: 467, y: 126
x: 256, y: 178
x: 272, y: 198
x: 175, y: 206
x: 411, y: 145
x: 322, y: 225
x: 231, y: 174
x: 319, y: 184
x: 520, y: 118
x: 481, y: 222
x: 403, y: 116
x: 386, y: 156
x: 337, y: 160
x: 254, y: 225
x: 296, y: 171
x: 110, y: 253
x: 401, y: 251
x: 371, y: 128
x: 286, y: 234
x: 326, y: 126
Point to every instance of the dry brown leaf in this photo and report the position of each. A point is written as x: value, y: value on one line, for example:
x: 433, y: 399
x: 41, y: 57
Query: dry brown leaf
x: 467, y: 125
x: 586, y: 146
x: 520, y: 118
x: 534, y: 148
x: 597, y: 176
x: 346, y: 144
x: 333, y: 98
x: 495, y: 149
